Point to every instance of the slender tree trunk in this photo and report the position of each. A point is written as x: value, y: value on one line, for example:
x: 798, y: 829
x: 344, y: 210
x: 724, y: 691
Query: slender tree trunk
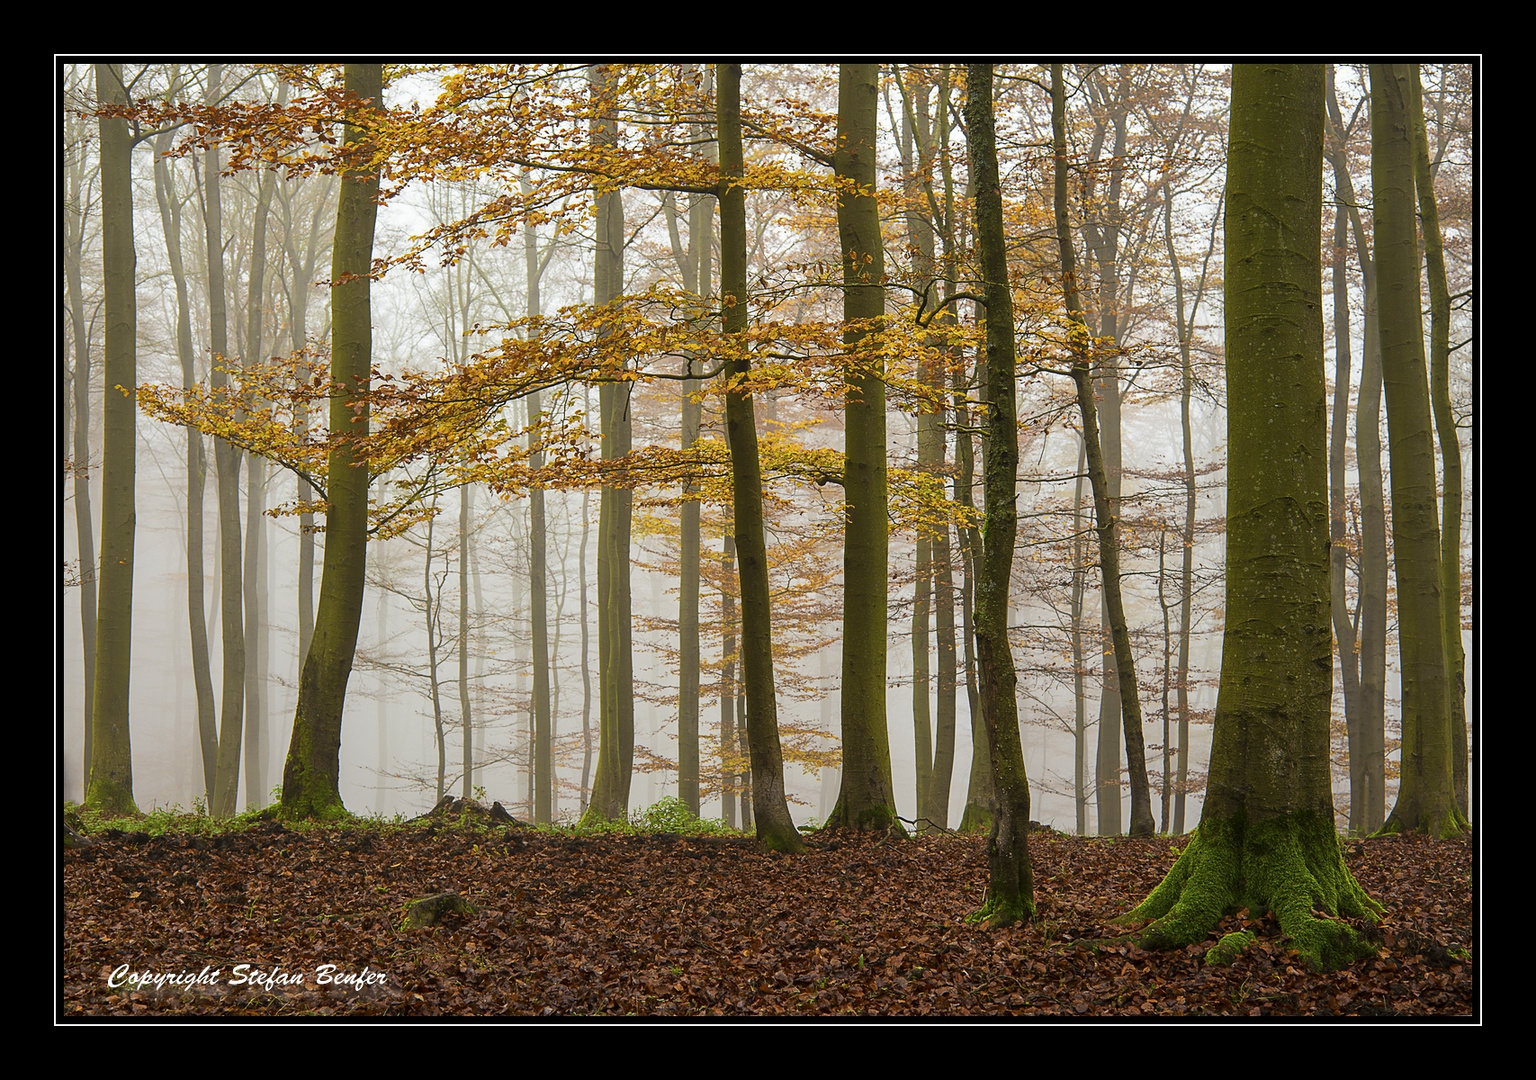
x: 1368, y: 800
x: 1142, y: 823
x: 75, y: 199
x: 538, y: 570
x: 302, y: 271
x: 110, y: 785
x: 1338, y: 526
x: 770, y: 809
x: 1079, y: 694
x: 1011, y: 881
x: 466, y: 713
x: 255, y: 576
x: 433, y: 597
x: 867, y: 800
x: 1183, y: 321
x: 728, y: 684
x: 1450, y: 446
x: 616, y: 735
x: 1425, y: 794
x: 1103, y: 241
x: 586, y: 655
x: 311, y: 775
x: 226, y: 458
x: 977, y: 816
x: 197, y: 469
x: 1338, y: 521
x: 695, y: 267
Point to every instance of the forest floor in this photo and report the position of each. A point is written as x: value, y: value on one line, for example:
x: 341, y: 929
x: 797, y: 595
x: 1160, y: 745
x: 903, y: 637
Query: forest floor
x: 277, y: 922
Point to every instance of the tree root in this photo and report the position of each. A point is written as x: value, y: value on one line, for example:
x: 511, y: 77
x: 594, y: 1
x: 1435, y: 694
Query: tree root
x: 1290, y: 865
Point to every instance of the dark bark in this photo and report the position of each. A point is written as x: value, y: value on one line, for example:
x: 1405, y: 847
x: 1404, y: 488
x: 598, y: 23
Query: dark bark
x: 1011, y: 883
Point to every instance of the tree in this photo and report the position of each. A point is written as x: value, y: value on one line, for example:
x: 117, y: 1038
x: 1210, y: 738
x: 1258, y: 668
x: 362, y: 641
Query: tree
x: 110, y: 785
x: 197, y: 469
x: 770, y: 810
x: 311, y: 775
x: 1450, y: 444
x: 1104, y: 506
x: 78, y: 185
x: 1367, y: 748
x: 1010, y: 895
x: 226, y: 456
x: 867, y: 799
x: 1425, y: 796
x: 616, y: 717
x: 1266, y: 836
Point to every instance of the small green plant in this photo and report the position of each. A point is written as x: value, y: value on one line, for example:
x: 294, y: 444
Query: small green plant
x: 672, y: 815
x: 479, y: 792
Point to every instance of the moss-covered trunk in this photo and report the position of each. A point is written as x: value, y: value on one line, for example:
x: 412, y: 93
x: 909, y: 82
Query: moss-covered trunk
x: 1010, y: 894
x: 311, y: 774
x: 1266, y: 838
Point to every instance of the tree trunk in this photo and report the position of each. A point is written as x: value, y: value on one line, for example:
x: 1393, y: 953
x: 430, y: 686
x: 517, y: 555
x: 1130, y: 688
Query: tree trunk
x: 1010, y: 894
x: 1425, y: 795
x: 728, y: 683
x: 1266, y: 838
x: 770, y: 809
x: 75, y: 199
x: 255, y: 575
x: 197, y: 469
x: 110, y: 786
x: 1450, y: 447
x: 1142, y: 823
x: 867, y: 800
x: 538, y: 571
x: 1079, y: 696
x: 226, y: 457
x: 616, y: 724
x: 311, y: 775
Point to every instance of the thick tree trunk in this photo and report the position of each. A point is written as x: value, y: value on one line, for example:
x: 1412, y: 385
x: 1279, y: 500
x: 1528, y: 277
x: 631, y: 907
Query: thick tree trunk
x: 311, y: 775
x: 1266, y: 838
